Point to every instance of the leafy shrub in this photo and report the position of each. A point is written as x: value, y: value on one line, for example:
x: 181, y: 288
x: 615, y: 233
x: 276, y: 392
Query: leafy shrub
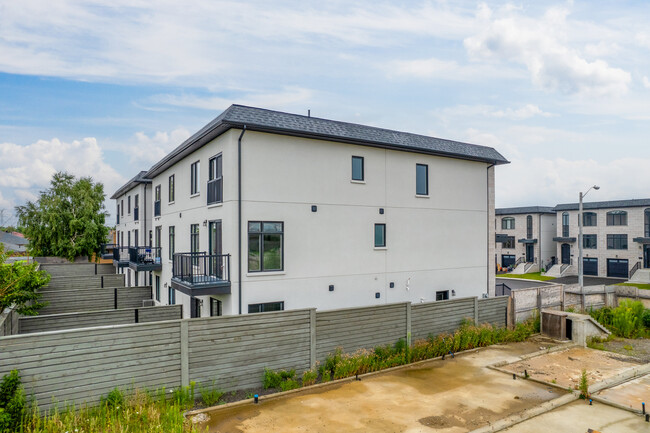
x: 114, y: 399
x: 646, y: 318
x: 12, y: 402
x: 309, y: 377
x: 289, y: 384
x: 584, y: 385
x: 184, y: 396
x: 210, y: 395
x: 275, y: 379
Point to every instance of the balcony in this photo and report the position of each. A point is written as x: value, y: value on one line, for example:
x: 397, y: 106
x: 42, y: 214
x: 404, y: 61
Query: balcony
x: 156, y: 208
x: 144, y: 259
x: 198, y: 274
x: 566, y: 239
x: 215, y: 191
x: 120, y: 256
x: 136, y: 214
x: 106, y: 251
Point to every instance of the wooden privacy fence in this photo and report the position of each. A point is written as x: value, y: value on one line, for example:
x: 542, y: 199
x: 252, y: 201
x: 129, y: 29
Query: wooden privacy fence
x: 77, y: 269
x: 123, y: 316
x: 97, y: 299
x: 84, y: 282
x: 84, y: 364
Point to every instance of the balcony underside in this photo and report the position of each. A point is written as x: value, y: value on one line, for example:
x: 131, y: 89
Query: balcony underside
x: 121, y: 263
x: 527, y: 241
x: 107, y: 255
x: 150, y: 266
x: 564, y: 239
x: 643, y: 240
x: 201, y: 286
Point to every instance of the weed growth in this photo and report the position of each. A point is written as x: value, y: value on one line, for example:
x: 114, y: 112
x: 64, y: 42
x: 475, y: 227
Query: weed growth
x: 12, y: 402
x: 210, y: 395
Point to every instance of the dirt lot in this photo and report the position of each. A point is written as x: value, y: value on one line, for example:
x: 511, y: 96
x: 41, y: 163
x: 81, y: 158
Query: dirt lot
x: 455, y: 395
x: 639, y: 348
x: 565, y: 368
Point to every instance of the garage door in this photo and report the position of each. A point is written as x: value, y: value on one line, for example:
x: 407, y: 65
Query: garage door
x: 507, y: 260
x: 590, y: 266
x: 617, y: 268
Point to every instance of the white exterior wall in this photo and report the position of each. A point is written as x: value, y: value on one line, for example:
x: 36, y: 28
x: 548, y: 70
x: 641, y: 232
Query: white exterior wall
x: 548, y: 230
x: 129, y: 225
x: 434, y: 243
x: 634, y: 228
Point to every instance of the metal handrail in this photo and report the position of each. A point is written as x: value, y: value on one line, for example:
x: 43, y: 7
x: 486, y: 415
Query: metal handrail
x: 144, y: 255
x: 121, y: 254
x: 201, y: 267
x: 505, y: 290
x: 635, y: 268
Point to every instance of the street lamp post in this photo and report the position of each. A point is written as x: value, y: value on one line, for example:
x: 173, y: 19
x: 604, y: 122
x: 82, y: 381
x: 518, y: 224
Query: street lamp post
x: 580, y: 267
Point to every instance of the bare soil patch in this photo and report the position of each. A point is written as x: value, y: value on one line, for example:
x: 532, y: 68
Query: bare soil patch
x: 638, y: 348
x: 565, y: 368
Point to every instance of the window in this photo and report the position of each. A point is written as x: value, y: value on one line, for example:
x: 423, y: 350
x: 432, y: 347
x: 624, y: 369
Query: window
x: 589, y: 219
x: 646, y: 217
x: 158, y: 288
x: 128, y: 237
x: 529, y: 227
x: 118, y: 214
x: 171, y: 188
x: 510, y: 243
x: 215, y: 307
x: 171, y: 296
x: 380, y: 235
x: 122, y: 206
x: 194, y: 178
x: 196, y: 307
x: 590, y: 241
x: 128, y: 200
x: 158, y: 236
x: 357, y: 168
x: 508, y: 223
x: 172, y: 242
x: 122, y: 240
x: 194, y: 238
x: 135, y: 238
x: 421, y: 179
x: 617, y: 242
x: 215, y: 184
x: 156, y: 201
x: 442, y: 295
x: 266, y: 307
x: 136, y: 208
x: 565, y: 224
x: 265, y: 246
x: 617, y: 218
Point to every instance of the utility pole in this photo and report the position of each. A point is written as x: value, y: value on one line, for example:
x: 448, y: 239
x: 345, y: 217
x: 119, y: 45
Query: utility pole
x: 2, y: 217
x: 580, y: 264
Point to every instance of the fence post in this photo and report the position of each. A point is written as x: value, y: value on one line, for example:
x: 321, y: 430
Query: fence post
x: 185, y: 362
x: 476, y: 310
x: 312, y: 337
x: 408, y: 324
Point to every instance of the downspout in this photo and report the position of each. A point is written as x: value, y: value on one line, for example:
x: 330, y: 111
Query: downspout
x: 239, y: 222
x: 490, y: 223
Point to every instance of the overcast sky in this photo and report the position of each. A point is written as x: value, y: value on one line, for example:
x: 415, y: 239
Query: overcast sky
x: 106, y: 88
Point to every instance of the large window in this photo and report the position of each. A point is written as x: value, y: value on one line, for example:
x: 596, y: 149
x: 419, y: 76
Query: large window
x: 194, y: 238
x: 265, y: 246
x: 529, y: 227
x: 266, y: 307
x: 565, y: 224
x: 617, y: 242
x: 590, y: 241
x: 617, y: 218
x: 507, y: 223
x: 172, y: 189
x: 509, y: 243
x: 215, y: 184
x: 421, y: 179
x: 194, y: 178
x: 380, y: 235
x: 172, y: 241
x: 589, y: 219
x: 357, y: 168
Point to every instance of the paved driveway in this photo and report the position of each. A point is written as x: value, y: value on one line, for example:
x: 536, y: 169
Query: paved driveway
x: 521, y: 284
x: 589, y: 281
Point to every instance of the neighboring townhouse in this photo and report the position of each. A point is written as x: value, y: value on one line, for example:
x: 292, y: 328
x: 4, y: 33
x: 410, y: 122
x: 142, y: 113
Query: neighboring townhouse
x: 133, y: 254
x: 616, y: 239
x: 524, y: 238
x: 262, y: 210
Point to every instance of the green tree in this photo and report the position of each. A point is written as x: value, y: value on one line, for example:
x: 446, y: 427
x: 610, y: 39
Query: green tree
x: 67, y: 220
x: 19, y: 282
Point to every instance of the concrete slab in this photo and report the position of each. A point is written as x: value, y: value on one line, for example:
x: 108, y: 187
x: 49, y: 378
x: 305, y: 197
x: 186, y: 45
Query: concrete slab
x: 579, y: 417
x: 629, y: 394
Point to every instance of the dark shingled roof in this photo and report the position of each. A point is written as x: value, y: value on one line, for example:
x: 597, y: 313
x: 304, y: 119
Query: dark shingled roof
x: 525, y: 209
x: 276, y: 122
x: 604, y: 204
x: 138, y: 178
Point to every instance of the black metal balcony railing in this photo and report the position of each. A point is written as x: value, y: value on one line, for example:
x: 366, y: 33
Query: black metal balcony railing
x: 201, y: 268
x: 121, y: 254
x: 136, y: 214
x: 215, y: 191
x: 106, y: 250
x: 156, y: 208
x: 144, y: 255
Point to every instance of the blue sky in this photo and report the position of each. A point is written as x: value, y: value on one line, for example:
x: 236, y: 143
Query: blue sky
x: 99, y: 88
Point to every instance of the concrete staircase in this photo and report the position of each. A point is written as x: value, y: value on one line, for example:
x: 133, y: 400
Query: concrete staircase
x: 641, y: 276
x: 559, y: 270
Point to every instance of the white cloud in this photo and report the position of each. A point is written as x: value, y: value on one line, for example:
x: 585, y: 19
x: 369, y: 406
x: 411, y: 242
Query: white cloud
x: 147, y: 150
x: 426, y: 68
x: 525, y: 112
x: 550, y: 181
x: 542, y: 46
x: 24, y: 170
x: 646, y: 82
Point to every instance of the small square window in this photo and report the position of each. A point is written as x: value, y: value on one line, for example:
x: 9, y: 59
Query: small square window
x: 357, y: 168
x: 442, y: 295
x: 380, y: 235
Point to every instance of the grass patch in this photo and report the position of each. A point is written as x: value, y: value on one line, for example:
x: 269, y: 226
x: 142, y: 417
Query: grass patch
x: 639, y: 285
x: 532, y: 276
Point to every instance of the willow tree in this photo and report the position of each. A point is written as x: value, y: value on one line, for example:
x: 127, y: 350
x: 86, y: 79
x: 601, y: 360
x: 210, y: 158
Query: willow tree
x: 67, y: 220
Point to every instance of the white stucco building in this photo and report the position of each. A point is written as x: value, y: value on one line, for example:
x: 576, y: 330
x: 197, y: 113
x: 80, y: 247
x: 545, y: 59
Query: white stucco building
x: 263, y: 210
